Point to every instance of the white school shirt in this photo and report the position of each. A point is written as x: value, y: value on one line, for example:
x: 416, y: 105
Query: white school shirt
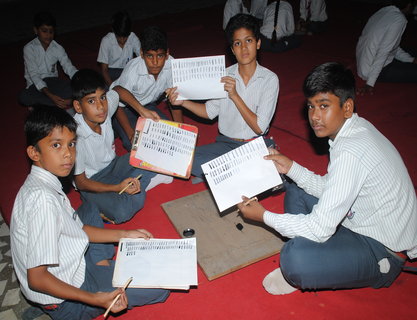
x: 367, y: 189
x: 260, y: 96
x: 233, y: 7
x: 96, y: 151
x: 317, y: 10
x: 44, y: 230
x: 141, y: 84
x: 41, y: 63
x: 379, y: 43
x: 113, y: 55
x: 285, y: 26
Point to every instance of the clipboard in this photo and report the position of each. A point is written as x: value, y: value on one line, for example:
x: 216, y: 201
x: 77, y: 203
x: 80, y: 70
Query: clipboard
x: 164, y: 146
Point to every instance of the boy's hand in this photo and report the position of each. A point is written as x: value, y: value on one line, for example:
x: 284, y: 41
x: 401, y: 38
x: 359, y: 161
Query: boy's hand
x: 252, y: 210
x: 133, y: 185
x: 62, y: 103
x: 150, y: 114
x: 138, y: 233
x: 104, y: 300
x: 282, y: 163
x: 172, y: 95
x: 229, y: 86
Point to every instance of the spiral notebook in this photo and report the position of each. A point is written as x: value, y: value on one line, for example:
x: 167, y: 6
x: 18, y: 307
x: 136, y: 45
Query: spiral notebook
x: 164, y: 146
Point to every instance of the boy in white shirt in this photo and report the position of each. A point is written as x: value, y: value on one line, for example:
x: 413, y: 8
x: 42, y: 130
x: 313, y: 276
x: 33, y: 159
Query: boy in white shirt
x: 49, y: 243
x: 117, y: 48
x: 41, y: 56
x: 99, y: 173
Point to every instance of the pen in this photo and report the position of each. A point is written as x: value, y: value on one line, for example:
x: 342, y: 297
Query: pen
x: 129, y: 184
x: 117, y: 297
x: 250, y: 200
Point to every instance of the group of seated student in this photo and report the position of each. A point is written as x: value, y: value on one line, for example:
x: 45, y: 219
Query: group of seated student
x: 347, y: 218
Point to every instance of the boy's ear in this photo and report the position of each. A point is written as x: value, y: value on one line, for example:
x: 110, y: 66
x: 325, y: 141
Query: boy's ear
x: 77, y: 106
x: 33, y: 153
x: 348, y: 108
x: 258, y: 44
x: 141, y: 53
x: 35, y: 30
x: 167, y: 54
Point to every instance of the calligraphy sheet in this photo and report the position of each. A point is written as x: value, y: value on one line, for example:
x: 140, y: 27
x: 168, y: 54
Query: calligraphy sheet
x: 199, y: 78
x: 166, y: 146
x: 241, y: 172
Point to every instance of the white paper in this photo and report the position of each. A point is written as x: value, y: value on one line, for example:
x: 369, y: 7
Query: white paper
x: 241, y: 172
x: 166, y: 146
x: 156, y: 263
x: 199, y: 78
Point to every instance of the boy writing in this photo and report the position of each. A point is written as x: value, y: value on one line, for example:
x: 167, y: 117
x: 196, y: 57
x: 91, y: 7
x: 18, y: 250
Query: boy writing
x: 252, y: 96
x: 99, y: 174
x: 146, y: 77
x: 50, y: 244
x: 117, y: 48
x: 351, y: 227
x: 41, y: 56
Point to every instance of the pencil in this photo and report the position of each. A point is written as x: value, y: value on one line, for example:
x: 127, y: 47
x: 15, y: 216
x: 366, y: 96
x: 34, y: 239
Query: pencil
x: 117, y: 297
x: 130, y: 183
x: 250, y: 200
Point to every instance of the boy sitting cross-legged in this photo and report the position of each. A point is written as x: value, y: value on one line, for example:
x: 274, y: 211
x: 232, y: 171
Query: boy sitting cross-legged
x: 50, y: 247
x: 99, y: 174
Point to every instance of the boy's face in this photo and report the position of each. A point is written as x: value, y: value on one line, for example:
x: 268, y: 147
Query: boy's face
x: 325, y: 114
x: 154, y: 60
x: 93, y: 107
x: 45, y: 34
x: 56, y: 152
x: 245, y: 46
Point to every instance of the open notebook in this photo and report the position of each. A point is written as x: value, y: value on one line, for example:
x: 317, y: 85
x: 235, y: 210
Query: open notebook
x: 164, y: 146
x: 156, y: 263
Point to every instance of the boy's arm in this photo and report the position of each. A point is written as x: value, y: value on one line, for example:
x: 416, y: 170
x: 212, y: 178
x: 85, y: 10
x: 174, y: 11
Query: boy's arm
x: 41, y: 280
x: 100, y: 235
x: 127, y: 97
x: 85, y: 184
x: 198, y: 109
x: 248, y: 115
x: 104, y: 68
x: 124, y: 123
x: 66, y: 63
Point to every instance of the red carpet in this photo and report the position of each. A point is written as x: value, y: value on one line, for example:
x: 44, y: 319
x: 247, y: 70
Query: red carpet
x: 240, y: 295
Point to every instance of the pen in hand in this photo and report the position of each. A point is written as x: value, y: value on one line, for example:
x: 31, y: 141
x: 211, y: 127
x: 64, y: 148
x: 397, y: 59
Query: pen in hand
x: 250, y: 200
x: 117, y: 297
x: 129, y: 184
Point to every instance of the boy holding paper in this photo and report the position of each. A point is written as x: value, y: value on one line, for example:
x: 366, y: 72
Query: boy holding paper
x: 99, y: 173
x: 252, y: 96
x: 51, y: 248
x: 352, y: 227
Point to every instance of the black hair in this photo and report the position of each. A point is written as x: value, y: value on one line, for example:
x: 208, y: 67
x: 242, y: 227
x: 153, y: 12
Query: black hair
x: 86, y: 81
x: 242, y: 20
x: 401, y: 4
x: 44, y: 18
x: 153, y: 38
x: 43, y: 119
x: 121, y: 24
x: 330, y: 77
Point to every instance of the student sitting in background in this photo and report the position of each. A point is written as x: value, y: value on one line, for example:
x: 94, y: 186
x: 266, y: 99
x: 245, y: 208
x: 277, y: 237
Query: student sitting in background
x: 99, y: 173
x: 51, y: 246
x: 255, y: 8
x: 313, y: 17
x: 41, y: 57
x: 252, y: 96
x: 117, y: 48
x: 277, y: 31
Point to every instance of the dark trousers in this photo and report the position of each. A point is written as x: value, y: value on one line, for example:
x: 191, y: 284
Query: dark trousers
x: 32, y: 96
x: 398, y: 71
x: 283, y: 44
x: 346, y: 260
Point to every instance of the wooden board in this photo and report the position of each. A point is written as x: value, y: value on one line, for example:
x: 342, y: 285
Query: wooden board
x: 221, y: 247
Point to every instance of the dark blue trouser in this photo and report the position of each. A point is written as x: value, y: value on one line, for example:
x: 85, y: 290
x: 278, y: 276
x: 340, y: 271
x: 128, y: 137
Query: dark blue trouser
x: 346, y: 260
x: 211, y: 151
x: 115, y: 206
x: 99, y: 278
